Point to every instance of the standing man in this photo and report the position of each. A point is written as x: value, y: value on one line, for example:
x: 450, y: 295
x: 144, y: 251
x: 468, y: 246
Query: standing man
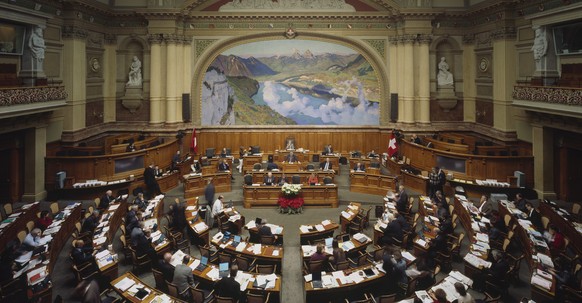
x: 327, y: 150
x: 291, y: 158
x: 433, y: 179
x: 209, y: 192
x: 442, y: 178
x: 176, y: 160
x: 149, y: 177
x: 217, y: 208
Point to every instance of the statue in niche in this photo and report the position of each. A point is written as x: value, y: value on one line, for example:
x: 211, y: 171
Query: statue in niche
x: 444, y: 76
x: 37, y: 47
x: 540, y: 46
x: 134, y: 73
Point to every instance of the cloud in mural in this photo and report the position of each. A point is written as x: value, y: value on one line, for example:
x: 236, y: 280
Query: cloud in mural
x: 337, y: 111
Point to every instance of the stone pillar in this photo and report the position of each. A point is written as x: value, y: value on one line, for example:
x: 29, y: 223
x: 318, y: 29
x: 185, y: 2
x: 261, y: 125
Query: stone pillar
x: 187, y: 71
x: 543, y: 152
x: 400, y: 79
x: 74, y: 76
x: 34, y: 153
x: 108, y: 66
x: 408, y: 78
x: 423, y: 83
x: 393, y: 70
x: 155, y: 41
x: 503, y: 78
x: 179, y: 74
x: 469, y: 77
x: 171, y: 79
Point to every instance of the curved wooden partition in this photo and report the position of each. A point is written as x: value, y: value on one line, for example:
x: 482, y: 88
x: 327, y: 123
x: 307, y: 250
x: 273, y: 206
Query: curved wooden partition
x: 108, y: 167
x: 475, y: 166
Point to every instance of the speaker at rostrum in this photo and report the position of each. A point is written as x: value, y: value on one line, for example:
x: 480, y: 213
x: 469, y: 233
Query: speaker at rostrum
x: 186, y: 107
x: 393, y: 107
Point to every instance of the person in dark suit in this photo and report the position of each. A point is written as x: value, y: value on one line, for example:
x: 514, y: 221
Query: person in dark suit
x: 106, y: 200
x: 183, y: 277
x: 402, y: 221
x: 291, y: 158
x: 269, y: 179
x: 520, y: 202
x: 83, y: 254
x: 140, y: 201
x: 359, y: 167
x: 223, y: 166
x: 485, y: 206
x: 209, y: 192
x: 130, y: 148
x: 326, y: 165
x: 534, y: 216
x: 265, y: 230
x: 372, y: 154
x: 176, y: 159
x: 196, y: 167
x: 158, y: 172
x: 223, y: 153
x: 497, y: 272
x: 228, y: 287
x: 178, y: 216
x: 131, y: 219
x: 149, y: 177
x: 166, y: 268
x: 415, y: 139
x: 442, y: 178
x: 327, y: 150
x: 393, y: 230
x: 90, y: 222
x: 140, y: 239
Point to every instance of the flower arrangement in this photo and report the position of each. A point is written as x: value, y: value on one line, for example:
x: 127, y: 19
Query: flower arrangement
x: 290, y: 202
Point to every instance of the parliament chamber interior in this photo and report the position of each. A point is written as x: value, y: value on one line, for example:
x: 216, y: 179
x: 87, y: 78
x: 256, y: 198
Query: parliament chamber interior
x: 290, y: 151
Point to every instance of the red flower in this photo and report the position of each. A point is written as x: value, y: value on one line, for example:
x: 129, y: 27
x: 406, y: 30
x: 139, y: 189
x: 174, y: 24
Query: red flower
x: 294, y: 202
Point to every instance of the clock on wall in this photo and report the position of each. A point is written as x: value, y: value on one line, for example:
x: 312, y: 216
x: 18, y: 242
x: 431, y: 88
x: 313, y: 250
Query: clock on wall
x: 484, y: 65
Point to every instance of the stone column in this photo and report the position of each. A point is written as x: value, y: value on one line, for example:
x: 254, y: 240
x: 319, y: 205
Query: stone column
x: 179, y: 73
x: 393, y: 70
x: 74, y: 76
x: 503, y: 78
x: 423, y: 83
x: 155, y: 41
x: 400, y: 79
x: 171, y: 79
x: 469, y: 76
x: 408, y: 78
x: 187, y: 71
x: 34, y: 153
x: 108, y: 66
x: 543, y: 152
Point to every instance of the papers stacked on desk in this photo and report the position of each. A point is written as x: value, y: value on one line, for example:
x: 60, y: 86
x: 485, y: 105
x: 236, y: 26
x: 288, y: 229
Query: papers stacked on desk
x: 347, y: 215
x: 266, y: 281
x: 360, y: 237
x: 36, y: 275
x: 124, y: 284
x: 163, y: 298
x: 545, y: 260
x: 346, y: 246
x: 461, y: 278
x: 305, y: 228
x: 213, y: 274
x: 423, y: 296
x: 540, y: 281
x: 325, y: 222
x: 200, y: 227
x: 319, y: 227
x: 476, y: 261
x: 243, y: 279
x: 408, y: 256
x: 177, y: 258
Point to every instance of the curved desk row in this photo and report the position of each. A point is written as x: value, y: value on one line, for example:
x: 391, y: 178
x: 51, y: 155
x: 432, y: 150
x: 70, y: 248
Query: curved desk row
x: 565, y: 225
x: 258, y: 176
x: 314, y: 195
x: 16, y: 222
x: 362, y: 182
x: 194, y: 184
x: 264, y: 254
x: 127, y: 286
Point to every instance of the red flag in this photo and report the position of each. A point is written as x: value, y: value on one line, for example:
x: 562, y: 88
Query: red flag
x: 392, y: 147
x: 194, y: 142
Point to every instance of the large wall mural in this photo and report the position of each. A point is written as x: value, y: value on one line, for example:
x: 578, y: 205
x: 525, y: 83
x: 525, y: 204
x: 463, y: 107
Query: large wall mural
x: 290, y: 82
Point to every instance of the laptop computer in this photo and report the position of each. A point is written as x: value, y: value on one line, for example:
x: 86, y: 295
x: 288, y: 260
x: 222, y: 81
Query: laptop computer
x: 346, y: 238
x: 316, y: 279
x: 203, y: 263
x: 328, y: 242
x: 223, y: 270
x: 236, y: 241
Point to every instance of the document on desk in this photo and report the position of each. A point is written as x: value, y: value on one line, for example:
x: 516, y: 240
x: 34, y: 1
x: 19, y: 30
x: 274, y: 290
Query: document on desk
x: 408, y: 256
x: 346, y: 246
x: 326, y: 222
x: 124, y: 284
x: 356, y: 277
x: 213, y: 274
x: 257, y: 249
x: 241, y: 246
x: 251, y: 224
x: 423, y: 296
x: 177, y: 258
x: 194, y: 264
x: 200, y: 227
x: 420, y: 242
x: 304, y: 229
x: 541, y: 282
x: 319, y: 227
x: 346, y: 214
x: 243, y: 279
x: 460, y: 277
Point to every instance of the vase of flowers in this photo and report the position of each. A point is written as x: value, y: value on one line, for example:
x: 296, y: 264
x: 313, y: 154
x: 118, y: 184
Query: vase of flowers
x: 290, y: 200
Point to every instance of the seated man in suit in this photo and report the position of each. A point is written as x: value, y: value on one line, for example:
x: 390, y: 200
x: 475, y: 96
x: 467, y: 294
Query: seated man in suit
x: 223, y: 166
x: 90, y: 222
x: 158, y: 172
x: 106, y: 199
x: 327, y: 165
x: 327, y: 150
x: 183, y: 277
x: 141, y: 240
x: 32, y: 241
x: 283, y: 179
x: 359, y: 167
x: 228, y: 287
x: 83, y: 254
x: 269, y: 179
x: 372, y: 154
x: 196, y: 167
x: 291, y: 158
x: 534, y: 216
x: 265, y: 230
x: 166, y: 268
x: 223, y: 153
x: 520, y: 202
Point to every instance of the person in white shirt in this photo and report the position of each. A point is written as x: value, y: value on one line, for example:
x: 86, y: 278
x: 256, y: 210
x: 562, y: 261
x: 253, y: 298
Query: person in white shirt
x: 217, y: 208
x: 32, y: 240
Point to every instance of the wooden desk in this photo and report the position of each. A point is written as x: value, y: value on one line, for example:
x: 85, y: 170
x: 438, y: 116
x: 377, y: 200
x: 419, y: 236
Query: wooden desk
x: 168, y: 181
x: 194, y: 184
x: 347, y: 216
x: 337, y: 294
x: 307, y: 157
x: 27, y: 213
x: 358, y: 247
x: 198, y: 227
x: 89, y: 192
x: 363, y: 182
x: 313, y: 233
x: 129, y: 297
x: 475, y: 191
x: 250, y: 160
x: 317, y: 195
x: 111, y: 219
x: 565, y: 226
x: 465, y: 219
x: 416, y: 182
x: 258, y: 176
x: 269, y: 254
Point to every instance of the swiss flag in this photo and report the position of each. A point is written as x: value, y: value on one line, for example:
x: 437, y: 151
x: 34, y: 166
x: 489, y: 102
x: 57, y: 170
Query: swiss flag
x: 392, y: 147
x: 194, y: 142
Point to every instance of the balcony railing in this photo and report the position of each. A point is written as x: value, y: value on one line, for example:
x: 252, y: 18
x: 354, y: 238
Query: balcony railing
x: 548, y: 94
x: 30, y: 95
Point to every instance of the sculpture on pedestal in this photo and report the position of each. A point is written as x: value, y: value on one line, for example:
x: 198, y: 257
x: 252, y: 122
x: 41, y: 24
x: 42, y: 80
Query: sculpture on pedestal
x: 540, y: 46
x: 37, y: 47
x: 135, y: 78
x: 133, y: 88
x: 444, y: 76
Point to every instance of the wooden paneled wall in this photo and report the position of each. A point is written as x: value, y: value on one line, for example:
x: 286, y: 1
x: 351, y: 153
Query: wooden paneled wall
x: 342, y: 140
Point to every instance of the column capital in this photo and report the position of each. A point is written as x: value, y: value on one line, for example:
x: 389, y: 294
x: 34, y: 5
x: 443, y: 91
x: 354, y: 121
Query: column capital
x: 504, y: 33
x: 155, y: 38
x: 468, y: 39
x: 393, y: 40
x: 74, y: 32
x: 407, y: 39
x: 110, y: 39
x: 187, y: 39
x: 424, y: 38
x: 172, y: 38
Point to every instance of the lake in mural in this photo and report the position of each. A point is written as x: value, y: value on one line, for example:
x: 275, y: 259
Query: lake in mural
x: 290, y: 82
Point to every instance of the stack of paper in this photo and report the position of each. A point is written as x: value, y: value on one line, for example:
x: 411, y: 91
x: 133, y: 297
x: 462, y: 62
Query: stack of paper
x: 541, y: 282
x: 124, y: 284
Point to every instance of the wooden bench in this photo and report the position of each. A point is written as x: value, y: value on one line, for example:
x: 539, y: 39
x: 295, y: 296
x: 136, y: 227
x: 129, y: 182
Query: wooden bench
x: 146, y: 143
x: 503, y: 151
x: 451, y: 147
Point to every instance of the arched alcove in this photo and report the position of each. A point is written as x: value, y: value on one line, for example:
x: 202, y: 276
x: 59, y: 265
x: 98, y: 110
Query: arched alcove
x: 371, y: 57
